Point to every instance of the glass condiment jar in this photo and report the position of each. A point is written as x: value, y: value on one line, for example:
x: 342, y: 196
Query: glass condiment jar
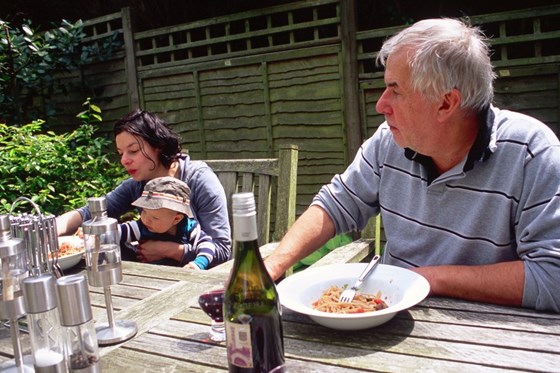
x: 80, y: 340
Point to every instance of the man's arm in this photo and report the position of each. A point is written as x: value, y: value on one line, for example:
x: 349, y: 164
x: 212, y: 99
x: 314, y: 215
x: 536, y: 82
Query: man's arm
x: 311, y: 230
x: 68, y: 223
x: 500, y: 283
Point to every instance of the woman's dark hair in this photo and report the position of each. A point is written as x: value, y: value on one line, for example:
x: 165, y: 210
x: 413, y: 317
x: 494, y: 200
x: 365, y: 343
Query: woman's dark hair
x: 154, y: 131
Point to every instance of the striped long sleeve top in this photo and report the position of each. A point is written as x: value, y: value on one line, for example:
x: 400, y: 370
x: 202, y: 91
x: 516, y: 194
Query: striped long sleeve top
x: 198, y: 246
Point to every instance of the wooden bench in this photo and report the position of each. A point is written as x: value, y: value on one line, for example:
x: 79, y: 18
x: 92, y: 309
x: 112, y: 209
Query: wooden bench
x: 225, y: 268
x: 353, y: 252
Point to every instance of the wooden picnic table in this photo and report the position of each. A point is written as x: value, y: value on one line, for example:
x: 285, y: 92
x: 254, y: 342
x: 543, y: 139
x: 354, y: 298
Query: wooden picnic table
x: 439, y: 335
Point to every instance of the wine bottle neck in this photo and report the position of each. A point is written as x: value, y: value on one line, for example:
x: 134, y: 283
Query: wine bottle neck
x: 245, y: 227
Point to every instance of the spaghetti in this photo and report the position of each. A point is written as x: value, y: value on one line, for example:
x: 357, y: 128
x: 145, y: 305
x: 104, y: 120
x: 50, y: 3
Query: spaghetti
x: 68, y: 248
x: 328, y: 302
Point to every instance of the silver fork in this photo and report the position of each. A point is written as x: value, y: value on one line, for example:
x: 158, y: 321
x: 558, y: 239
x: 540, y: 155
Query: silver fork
x: 348, y: 294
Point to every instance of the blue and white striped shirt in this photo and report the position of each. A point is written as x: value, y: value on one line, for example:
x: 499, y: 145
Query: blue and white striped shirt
x: 197, y: 245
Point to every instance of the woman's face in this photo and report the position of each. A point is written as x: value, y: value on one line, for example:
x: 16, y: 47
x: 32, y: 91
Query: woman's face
x: 138, y: 157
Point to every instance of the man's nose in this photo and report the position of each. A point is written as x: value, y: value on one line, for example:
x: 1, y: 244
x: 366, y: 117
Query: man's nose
x: 382, y: 105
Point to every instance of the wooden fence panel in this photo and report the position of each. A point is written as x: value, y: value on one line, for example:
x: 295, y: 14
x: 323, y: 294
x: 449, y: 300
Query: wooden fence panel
x: 173, y: 97
x: 306, y: 110
x: 248, y: 110
x: 533, y: 90
x: 233, y: 116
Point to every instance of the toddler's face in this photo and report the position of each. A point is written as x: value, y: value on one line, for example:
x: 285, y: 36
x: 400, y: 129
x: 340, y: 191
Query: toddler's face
x: 160, y: 220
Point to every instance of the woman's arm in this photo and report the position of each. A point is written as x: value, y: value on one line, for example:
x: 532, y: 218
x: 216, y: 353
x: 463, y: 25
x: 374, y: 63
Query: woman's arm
x: 209, y: 204
x: 68, y: 223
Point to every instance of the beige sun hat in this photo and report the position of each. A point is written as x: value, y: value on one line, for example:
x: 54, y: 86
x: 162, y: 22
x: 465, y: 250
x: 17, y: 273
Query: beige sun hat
x: 166, y: 192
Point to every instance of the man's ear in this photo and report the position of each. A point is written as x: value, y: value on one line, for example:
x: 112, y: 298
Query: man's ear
x: 450, y: 104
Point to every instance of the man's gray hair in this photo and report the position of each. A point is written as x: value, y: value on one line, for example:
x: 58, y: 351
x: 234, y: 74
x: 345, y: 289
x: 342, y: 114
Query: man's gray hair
x: 445, y: 54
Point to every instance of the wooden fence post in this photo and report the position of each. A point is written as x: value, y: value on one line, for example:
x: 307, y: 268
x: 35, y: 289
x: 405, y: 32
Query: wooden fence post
x: 351, y: 99
x: 130, y: 59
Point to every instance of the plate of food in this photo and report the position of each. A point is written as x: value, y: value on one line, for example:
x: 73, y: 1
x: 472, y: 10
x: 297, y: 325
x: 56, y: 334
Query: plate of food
x: 70, y: 251
x: 387, y: 291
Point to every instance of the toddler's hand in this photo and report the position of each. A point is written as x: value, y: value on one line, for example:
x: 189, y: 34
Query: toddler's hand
x: 191, y: 265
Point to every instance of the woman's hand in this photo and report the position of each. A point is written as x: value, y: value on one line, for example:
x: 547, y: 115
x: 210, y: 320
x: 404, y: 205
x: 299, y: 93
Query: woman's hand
x: 151, y: 251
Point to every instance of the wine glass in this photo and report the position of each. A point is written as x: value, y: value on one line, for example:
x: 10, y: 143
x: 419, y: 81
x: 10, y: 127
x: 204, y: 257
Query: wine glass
x: 212, y: 302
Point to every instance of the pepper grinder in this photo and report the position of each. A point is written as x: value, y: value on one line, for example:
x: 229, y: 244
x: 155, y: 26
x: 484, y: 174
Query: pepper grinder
x: 13, y: 263
x: 103, y: 263
x: 80, y: 340
x: 44, y: 326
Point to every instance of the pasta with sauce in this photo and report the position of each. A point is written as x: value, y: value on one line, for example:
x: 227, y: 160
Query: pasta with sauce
x: 66, y: 248
x: 328, y: 302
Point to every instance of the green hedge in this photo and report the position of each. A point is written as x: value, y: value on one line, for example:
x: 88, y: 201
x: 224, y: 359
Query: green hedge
x: 57, y: 171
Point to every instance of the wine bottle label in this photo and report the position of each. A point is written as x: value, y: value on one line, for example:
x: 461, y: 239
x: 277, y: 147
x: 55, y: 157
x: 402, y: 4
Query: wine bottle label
x: 245, y: 228
x: 238, y: 337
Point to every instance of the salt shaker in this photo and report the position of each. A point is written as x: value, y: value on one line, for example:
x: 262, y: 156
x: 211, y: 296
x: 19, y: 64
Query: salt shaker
x: 80, y: 340
x: 44, y: 326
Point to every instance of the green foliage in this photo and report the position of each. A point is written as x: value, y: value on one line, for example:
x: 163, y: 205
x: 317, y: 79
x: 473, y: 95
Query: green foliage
x: 57, y: 172
x: 91, y: 114
x: 30, y: 61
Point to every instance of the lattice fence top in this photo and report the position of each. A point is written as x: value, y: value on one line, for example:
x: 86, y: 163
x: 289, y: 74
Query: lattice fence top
x: 518, y: 38
x: 240, y: 34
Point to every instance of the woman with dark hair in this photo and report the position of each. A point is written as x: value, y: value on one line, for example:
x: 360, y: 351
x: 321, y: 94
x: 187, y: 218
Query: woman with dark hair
x: 149, y: 148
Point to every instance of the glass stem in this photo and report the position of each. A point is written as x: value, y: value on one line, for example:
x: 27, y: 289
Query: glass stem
x: 14, y: 332
x: 109, y: 305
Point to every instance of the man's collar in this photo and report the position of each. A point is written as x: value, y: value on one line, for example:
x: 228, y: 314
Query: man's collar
x: 480, y: 151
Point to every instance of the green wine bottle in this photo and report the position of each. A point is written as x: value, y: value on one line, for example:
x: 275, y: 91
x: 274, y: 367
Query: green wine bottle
x: 252, y: 311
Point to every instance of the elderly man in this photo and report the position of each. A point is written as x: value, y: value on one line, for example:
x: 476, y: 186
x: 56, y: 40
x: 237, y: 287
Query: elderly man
x: 469, y: 194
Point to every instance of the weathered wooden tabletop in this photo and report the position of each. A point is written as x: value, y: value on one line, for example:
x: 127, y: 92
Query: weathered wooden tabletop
x: 440, y: 335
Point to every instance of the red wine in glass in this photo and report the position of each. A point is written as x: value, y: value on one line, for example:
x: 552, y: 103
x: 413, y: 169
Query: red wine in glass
x: 211, y: 302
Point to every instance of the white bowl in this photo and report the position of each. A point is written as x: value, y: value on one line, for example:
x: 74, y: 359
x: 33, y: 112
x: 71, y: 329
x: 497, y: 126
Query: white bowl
x: 400, y: 288
x: 69, y: 261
